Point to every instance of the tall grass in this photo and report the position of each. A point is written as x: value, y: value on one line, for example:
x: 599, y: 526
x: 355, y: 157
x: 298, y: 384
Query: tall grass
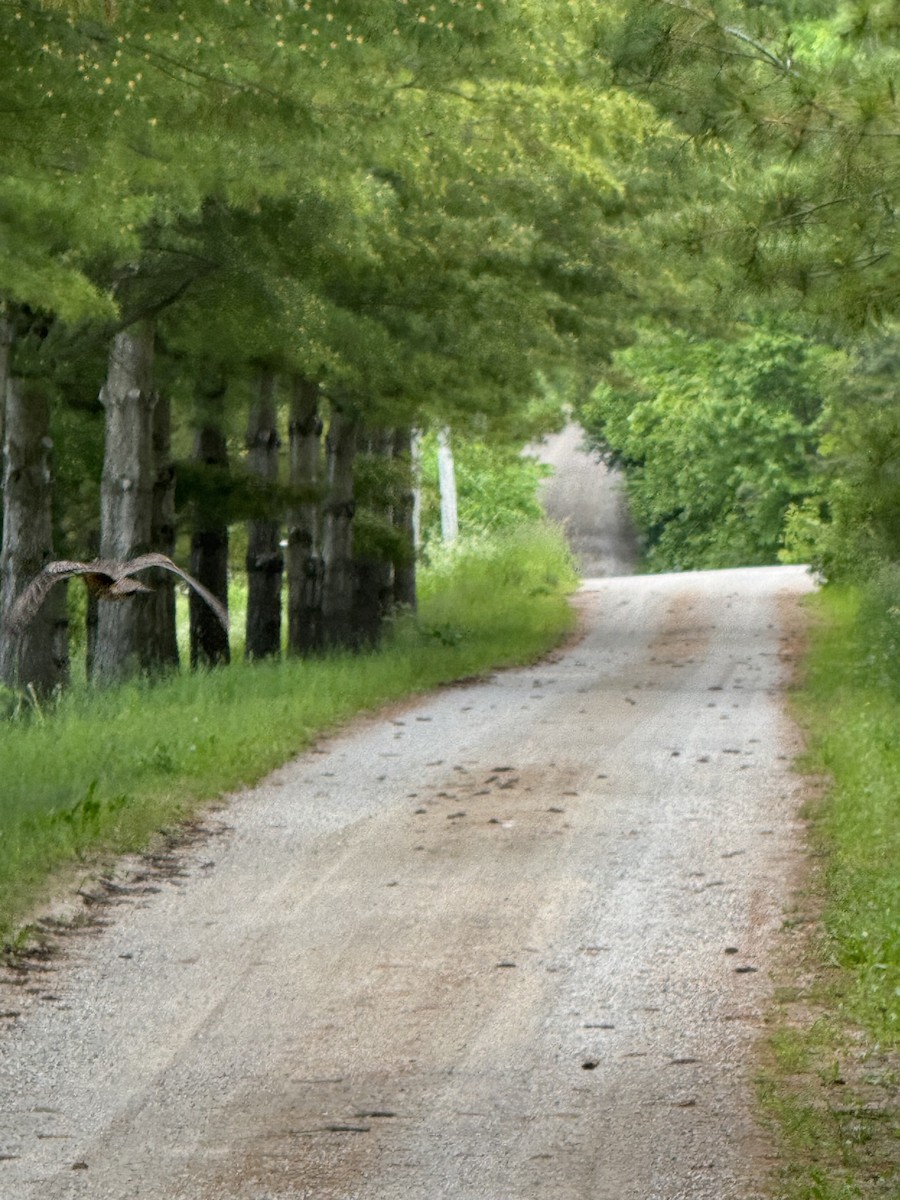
x: 852, y: 704
x: 101, y: 772
x: 834, y: 1083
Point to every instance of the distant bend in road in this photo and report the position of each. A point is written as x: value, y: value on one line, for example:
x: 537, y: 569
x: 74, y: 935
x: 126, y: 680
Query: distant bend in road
x: 588, y: 500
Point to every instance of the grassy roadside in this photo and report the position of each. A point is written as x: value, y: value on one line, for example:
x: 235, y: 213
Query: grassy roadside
x: 102, y: 773
x: 832, y: 1080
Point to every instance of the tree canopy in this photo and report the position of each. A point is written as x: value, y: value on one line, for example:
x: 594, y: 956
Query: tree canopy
x: 791, y: 110
x: 447, y: 213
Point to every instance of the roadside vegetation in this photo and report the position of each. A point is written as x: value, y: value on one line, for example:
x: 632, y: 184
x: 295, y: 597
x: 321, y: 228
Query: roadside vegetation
x: 245, y: 266
x: 717, y: 439
x: 101, y: 773
x: 832, y: 1081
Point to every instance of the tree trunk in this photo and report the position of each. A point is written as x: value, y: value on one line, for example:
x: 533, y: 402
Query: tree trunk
x: 339, y: 583
x: 305, y: 567
x: 91, y: 614
x: 161, y: 647
x: 126, y: 496
x: 265, y: 562
x: 209, y: 558
x: 374, y: 570
x: 38, y: 657
x: 447, y: 485
x: 404, y: 449
x: 6, y: 340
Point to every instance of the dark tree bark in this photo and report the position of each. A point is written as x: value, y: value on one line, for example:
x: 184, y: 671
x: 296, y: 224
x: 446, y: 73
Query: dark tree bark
x: 161, y: 643
x: 338, y: 591
x: 374, y: 582
x: 305, y: 566
x: 6, y: 340
x: 91, y: 614
x: 404, y: 521
x: 209, y: 557
x: 126, y: 496
x: 38, y: 657
x: 265, y: 562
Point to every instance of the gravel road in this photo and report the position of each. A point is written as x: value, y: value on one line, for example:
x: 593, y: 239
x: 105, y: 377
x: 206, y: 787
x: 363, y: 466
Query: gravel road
x: 589, y: 500
x: 510, y: 942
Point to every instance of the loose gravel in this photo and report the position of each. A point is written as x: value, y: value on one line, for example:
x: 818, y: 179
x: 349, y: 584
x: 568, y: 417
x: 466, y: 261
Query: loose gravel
x: 510, y: 942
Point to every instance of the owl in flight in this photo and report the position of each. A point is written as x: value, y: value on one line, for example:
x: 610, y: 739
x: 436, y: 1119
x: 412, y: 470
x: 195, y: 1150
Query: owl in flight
x: 106, y: 579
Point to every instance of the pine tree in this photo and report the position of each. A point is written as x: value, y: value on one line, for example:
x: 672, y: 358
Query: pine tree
x: 209, y: 644
x: 265, y: 561
x: 403, y: 516
x: 339, y: 581
x: 792, y: 192
x: 305, y: 565
x: 126, y: 515
x: 38, y: 657
x: 418, y: 214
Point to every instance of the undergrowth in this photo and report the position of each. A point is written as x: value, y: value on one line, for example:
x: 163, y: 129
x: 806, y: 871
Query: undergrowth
x: 101, y: 772
x: 833, y: 1082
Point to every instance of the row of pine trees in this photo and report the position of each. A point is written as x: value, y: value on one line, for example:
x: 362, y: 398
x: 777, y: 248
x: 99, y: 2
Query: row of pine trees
x: 366, y: 216
x: 276, y: 237
x: 340, y: 588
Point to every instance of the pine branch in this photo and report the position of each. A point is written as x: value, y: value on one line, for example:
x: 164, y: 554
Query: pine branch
x: 838, y: 130
x: 858, y: 264
x: 785, y: 65
x: 153, y: 310
x: 808, y: 212
x: 763, y: 54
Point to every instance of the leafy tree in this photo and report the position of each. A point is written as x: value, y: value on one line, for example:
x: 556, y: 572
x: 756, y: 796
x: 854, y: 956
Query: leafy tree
x: 209, y: 536
x: 265, y: 562
x: 400, y: 206
x: 850, y: 526
x: 717, y: 439
x: 305, y: 566
x: 126, y: 496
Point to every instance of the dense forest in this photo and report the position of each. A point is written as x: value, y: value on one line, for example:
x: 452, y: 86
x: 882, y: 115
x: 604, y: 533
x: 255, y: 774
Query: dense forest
x: 247, y: 249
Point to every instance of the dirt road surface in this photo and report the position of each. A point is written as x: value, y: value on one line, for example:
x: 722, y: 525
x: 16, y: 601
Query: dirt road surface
x: 507, y: 943
x: 589, y: 501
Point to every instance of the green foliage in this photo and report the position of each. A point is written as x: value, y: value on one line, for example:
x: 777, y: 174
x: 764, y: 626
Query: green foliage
x: 75, y: 829
x: 717, y: 439
x: 380, y: 482
x: 509, y: 584
x: 854, y: 699
x: 497, y: 487
x: 420, y: 210
x: 231, y: 494
x: 831, y: 1090
x: 790, y: 188
x: 852, y: 526
x: 102, y: 772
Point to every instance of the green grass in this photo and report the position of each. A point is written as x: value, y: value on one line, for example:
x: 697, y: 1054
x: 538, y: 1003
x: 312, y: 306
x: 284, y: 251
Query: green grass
x: 852, y: 706
x: 103, y: 772
x: 833, y: 1076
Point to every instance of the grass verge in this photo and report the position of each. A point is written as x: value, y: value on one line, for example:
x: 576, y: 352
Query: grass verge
x: 102, y: 773
x: 832, y: 1081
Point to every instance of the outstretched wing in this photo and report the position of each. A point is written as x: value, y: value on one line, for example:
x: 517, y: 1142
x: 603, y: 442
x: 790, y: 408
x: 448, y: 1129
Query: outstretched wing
x: 26, y: 607
x: 145, y: 561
